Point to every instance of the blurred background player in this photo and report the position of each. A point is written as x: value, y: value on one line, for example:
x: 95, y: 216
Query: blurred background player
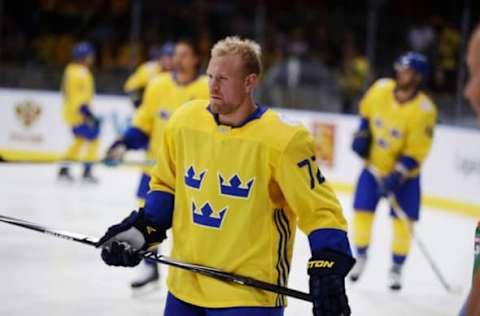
x: 78, y: 90
x: 394, y: 138
x: 163, y: 95
x: 161, y: 61
x: 233, y: 180
x: 472, y: 93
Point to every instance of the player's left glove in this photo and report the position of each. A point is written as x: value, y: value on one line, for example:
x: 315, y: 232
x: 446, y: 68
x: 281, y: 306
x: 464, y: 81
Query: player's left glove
x: 91, y: 120
x: 115, y: 153
x: 394, y: 179
x: 327, y: 270
x: 136, y: 232
x: 391, y: 182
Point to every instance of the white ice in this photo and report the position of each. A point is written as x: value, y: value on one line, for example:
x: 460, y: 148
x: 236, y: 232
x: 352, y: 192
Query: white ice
x: 43, y: 275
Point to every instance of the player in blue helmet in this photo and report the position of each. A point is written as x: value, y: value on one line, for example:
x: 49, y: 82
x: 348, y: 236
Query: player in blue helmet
x: 82, y: 50
x: 161, y: 60
x: 396, y: 128
x: 78, y: 89
x: 415, y: 61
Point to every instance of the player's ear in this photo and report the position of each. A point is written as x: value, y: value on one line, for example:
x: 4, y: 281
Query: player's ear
x: 250, y: 82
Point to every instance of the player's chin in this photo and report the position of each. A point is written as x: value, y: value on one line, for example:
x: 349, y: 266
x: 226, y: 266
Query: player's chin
x: 215, y: 106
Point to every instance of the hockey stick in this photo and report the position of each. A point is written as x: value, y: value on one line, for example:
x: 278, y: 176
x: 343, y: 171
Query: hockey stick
x: 400, y: 213
x: 114, y: 163
x: 207, y: 271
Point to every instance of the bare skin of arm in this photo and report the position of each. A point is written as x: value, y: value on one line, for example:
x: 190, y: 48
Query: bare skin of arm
x: 473, y: 303
x: 472, y: 88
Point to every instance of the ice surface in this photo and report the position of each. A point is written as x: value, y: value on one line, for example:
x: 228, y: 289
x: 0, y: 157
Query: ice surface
x: 43, y: 275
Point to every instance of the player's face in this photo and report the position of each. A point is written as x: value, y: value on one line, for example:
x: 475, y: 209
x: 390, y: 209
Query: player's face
x: 184, y: 59
x: 406, y: 78
x: 166, y: 62
x: 227, y: 84
x: 90, y: 60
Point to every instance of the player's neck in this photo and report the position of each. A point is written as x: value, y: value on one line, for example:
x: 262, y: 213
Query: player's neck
x: 405, y: 95
x: 238, y: 117
x: 184, y: 77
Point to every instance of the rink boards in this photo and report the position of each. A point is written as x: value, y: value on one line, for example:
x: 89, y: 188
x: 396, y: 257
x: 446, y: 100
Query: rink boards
x: 31, y: 123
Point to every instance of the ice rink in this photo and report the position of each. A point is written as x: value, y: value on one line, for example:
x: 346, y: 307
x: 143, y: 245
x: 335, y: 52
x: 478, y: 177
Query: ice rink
x: 42, y: 275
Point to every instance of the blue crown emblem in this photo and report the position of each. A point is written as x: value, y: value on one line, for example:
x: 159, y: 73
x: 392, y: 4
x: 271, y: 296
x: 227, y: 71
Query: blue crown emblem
x: 235, y: 189
x: 191, y: 180
x: 164, y: 115
x: 205, y: 216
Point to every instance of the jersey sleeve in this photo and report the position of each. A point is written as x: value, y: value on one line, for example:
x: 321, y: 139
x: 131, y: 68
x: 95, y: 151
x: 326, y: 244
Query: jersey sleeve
x: 420, y: 133
x: 145, y: 115
x: 304, y: 188
x: 138, y: 79
x: 163, y: 174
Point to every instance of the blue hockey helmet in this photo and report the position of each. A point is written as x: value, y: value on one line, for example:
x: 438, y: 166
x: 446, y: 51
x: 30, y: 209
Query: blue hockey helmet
x: 82, y: 50
x: 167, y: 49
x: 415, y: 61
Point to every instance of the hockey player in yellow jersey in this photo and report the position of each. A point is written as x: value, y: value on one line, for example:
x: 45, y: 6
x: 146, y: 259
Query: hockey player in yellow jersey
x: 233, y: 180
x: 78, y: 90
x: 162, y: 61
x: 396, y: 128
x: 163, y: 96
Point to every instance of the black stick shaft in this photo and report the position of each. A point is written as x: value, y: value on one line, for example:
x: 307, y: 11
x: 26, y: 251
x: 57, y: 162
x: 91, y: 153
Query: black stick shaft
x: 207, y: 271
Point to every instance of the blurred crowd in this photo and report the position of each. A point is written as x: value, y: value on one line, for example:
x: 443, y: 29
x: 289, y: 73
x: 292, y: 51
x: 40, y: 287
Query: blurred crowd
x: 306, y: 43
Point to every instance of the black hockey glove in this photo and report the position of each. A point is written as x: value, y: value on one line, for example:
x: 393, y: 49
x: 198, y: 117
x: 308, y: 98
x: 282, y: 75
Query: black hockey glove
x: 115, y: 153
x: 327, y: 270
x: 121, y: 241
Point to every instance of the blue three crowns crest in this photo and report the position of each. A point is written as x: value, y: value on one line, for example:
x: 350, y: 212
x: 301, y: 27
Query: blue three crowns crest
x: 233, y: 187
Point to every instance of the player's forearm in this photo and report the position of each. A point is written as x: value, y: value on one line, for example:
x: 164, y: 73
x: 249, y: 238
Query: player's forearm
x: 328, y: 238
x: 473, y: 303
x: 135, y: 138
x: 159, y: 207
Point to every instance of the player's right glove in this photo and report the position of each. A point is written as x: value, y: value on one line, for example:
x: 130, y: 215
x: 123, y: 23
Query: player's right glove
x: 362, y: 139
x: 136, y: 232
x: 328, y: 269
x: 115, y: 153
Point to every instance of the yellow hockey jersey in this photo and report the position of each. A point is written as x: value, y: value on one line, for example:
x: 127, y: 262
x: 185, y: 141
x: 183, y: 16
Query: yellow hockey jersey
x: 142, y: 75
x: 78, y: 89
x: 162, y: 97
x: 398, y: 129
x: 239, y: 195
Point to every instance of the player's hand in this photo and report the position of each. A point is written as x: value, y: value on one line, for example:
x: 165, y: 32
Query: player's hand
x: 361, y: 143
x: 92, y: 122
x: 391, y: 182
x: 122, y: 240
x: 115, y: 153
x: 327, y: 270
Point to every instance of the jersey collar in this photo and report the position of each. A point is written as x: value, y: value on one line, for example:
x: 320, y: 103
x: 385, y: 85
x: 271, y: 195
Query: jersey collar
x: 254, y: 116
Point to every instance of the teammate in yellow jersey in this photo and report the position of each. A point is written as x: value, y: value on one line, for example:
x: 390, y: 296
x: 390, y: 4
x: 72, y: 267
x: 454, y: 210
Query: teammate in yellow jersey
x: 163, y: 96
x: 162, y: 61
x: 394, y: 138
x: 78, y: 90
x: 233, y: 180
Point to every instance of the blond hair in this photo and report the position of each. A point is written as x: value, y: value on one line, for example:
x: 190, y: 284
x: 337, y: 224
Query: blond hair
x: 248, y: 50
